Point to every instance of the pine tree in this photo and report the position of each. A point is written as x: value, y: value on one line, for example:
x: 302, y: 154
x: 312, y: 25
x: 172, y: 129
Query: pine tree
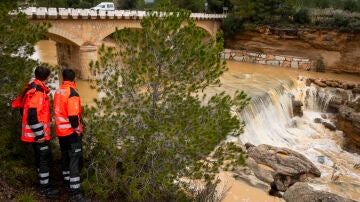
x: 17, y: 39
x: 154, y: 128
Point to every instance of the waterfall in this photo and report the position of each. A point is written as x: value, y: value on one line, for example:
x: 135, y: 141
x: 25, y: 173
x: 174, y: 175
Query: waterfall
x: 269, y: 120
x: 315, y: 99
x: 268, y: 116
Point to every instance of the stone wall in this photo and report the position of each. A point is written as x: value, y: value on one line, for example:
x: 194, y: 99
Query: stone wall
x: 269, y: 59
x: 339, y: 51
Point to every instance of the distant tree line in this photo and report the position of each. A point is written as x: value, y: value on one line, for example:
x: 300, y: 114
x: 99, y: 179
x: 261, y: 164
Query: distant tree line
x: 342, y: 15
x: 212, y: 6
x: 243, y: 14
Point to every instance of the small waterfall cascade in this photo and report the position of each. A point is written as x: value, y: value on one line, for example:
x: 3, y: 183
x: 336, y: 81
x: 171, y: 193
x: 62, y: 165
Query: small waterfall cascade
x: 267, y: 117
x: 315, y: 99
x: 269, y: 120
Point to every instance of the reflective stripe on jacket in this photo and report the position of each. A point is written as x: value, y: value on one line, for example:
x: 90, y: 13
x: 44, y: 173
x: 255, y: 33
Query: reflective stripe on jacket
x: 36, y: 98
x: 67, y: 104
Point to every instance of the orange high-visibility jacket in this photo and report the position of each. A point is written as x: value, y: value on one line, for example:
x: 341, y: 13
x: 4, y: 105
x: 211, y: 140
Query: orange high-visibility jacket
x: 36, y: 112
x: 67, y: 110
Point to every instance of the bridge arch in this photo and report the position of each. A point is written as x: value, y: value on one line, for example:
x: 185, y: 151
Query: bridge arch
x: 58, y: 32
x: 81, y: 31
x: 110, y: 30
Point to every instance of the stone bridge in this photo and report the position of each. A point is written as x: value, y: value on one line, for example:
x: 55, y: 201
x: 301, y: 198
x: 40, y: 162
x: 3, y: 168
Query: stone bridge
x: 79, y: 33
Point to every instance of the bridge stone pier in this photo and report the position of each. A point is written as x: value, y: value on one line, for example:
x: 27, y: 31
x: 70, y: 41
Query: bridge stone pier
x: 79, y: 33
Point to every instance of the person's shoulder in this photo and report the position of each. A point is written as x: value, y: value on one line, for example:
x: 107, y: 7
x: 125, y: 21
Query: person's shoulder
x: 63, y: 89
x: 32, y: 88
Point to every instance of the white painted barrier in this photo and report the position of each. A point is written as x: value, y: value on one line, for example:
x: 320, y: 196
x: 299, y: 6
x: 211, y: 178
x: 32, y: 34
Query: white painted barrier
x: 72, y: 13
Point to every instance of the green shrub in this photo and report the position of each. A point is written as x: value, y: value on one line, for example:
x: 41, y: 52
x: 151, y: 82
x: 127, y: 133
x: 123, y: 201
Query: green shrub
x: 320, y: 65
x: 154, y: 129
x: 26, y: 197
x: 231, y: 25
x: 17, y: 38
x: 302, y: 16
x: 340, y: 20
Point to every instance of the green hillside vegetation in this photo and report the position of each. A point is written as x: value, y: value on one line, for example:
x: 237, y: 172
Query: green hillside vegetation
x: 213, y: 6
x: 342, y: 15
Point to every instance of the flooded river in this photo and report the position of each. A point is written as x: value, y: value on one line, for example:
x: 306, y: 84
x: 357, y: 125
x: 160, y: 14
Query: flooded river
x: 268, y: 122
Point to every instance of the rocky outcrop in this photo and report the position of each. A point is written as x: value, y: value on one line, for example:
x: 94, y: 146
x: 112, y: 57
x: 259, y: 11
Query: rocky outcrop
x: 302, y: 192
x: 340, y: 51
x: 349, y: 123
x: 346, y: 105
x: 332, y: 83
x: 279, y: 167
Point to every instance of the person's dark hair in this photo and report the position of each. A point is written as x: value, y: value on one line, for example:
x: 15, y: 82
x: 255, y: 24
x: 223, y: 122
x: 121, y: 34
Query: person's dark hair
x: 68, y: 75
x: 42, y: 73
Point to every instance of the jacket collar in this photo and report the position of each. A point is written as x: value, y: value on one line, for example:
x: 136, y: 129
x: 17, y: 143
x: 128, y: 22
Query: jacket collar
x: 70, y: 84
x: 39, y: 83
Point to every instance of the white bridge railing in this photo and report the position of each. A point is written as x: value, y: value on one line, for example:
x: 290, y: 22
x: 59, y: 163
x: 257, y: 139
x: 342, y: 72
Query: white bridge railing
x: 77, y: 13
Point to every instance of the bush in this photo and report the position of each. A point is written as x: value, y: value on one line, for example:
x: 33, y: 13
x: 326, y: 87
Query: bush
x: 320, y: 66
x: 154, y: 130
x: 232, y: 25
x: 26, y: 197
x: 302, y: 16
x: 17, y: 38
x: 340, y: 20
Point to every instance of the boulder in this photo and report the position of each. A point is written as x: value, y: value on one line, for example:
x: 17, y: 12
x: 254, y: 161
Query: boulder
x: 356, y: 90
x: 297, y: 110
x: 308, y: 81
x: 329, y: 125
x: 335, y: 103
x: 349, y: 123
x: 318, y: 120
x: 280, y: 167
x: 320, y: 83
x: 302, y: 192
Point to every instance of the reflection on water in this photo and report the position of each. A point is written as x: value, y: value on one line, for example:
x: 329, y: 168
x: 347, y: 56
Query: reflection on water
x: 269, y: 121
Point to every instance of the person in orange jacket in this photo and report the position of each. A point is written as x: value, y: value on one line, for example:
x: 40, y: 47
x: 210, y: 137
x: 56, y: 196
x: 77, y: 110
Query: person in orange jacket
x: 67, y: 111
x: 35, y: 110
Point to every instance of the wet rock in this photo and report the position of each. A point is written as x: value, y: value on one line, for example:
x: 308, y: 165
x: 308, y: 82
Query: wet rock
x: 308, y: 81
x: 345, y: 112
x: 332, y: 83
x: 297, y: 110
x: 349, y: 123
x: 319, y: 83
x: 335, y: 103
x: 302, y: 192
x: 347, y: 86
x: 321, y: 159
x: 317, y: 120
x: 355, y: 105
x: 280, y: 167
x: 329, y: 125
x: 356, y: 90
x: 249, y: 145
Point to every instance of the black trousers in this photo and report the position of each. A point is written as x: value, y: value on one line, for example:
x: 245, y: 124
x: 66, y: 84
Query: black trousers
x: 71, y: 159
x: 43, y: 159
